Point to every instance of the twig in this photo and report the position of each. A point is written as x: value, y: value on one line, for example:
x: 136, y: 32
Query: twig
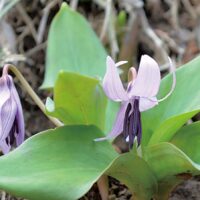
x: 113, y: 39
x: 170, y: 42
x: 74, y: 4
x: 151, y: 34
x: 35, y: 49
x: 101, y: 3
x: 129, y: 44
x: 43, y: 21
x: 3, y: 195
x: 108, y: 11
x: 190, y: 9
x: 174, y: 13
x: 111, y: 29
x: 27, y: 20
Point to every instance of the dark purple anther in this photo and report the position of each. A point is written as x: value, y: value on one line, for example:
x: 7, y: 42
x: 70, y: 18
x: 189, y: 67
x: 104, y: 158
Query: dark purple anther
x: 132, y: 123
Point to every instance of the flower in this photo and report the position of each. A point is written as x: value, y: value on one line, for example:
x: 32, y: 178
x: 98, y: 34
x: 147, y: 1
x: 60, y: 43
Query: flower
x: 11, y: 115
x: 139, y: 96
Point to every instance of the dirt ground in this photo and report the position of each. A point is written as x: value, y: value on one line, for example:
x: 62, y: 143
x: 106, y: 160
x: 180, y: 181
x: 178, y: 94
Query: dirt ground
x: 139, y: 29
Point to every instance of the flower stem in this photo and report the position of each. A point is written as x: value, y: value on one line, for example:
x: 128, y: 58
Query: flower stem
x: 102, y: 184
x: 30, y: 91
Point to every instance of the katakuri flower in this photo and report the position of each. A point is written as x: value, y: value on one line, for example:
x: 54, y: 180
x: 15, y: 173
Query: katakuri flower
x: 11, y: 115
x: 139, y: 96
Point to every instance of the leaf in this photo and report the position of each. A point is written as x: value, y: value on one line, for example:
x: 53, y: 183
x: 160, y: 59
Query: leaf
x: 188, y: 140
x: 162, y: 122
x: 78, y: 100
x: 170, y: 165
x: 136, y: 174
x: 59, y: 164
x: 73, y: 47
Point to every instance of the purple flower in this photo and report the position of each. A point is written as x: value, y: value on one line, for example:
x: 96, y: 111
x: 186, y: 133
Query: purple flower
x: 139, y: 96
x: 11, y: 116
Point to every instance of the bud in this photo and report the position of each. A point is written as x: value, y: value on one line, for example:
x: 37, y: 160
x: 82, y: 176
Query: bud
x: 11, y: 115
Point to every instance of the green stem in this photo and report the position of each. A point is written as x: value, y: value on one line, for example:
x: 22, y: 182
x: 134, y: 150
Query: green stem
x: 30, y: 91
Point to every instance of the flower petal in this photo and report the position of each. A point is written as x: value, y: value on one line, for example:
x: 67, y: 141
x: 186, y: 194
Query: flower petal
x: 118, y: 124
x: 112, y: 84
x: 173, y: 70
x: 8, y: 108
x: 19, y: 116
x: 148, y: 79
x: 4, y: 147
x: 147, y: 103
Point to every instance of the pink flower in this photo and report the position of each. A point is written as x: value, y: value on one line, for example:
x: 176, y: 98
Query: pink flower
x: 139, y: 96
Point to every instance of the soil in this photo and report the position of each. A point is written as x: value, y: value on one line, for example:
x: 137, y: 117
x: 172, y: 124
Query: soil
x: 177, y: 29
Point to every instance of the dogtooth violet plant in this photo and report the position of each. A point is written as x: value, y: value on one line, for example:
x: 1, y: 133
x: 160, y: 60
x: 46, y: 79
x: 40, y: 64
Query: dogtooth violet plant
x: 63, y: 163
x: 139, y: 96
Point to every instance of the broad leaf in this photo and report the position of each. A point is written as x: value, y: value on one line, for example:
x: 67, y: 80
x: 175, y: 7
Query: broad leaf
x: 78, y: 100
x: 170, y: 166
x: 188, y: 140
x: 72, y: 46
x: 162, y: 122
x: 59, y: 164
x: 136, y: 174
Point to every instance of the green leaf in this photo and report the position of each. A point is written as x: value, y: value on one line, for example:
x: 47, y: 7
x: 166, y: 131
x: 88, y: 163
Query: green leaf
x: 170, y: 165
x: 78, y: 100
x: 136, y: 174
x: 163, y: 121
x: 59, y: 164
x: 188, y: 140
x: 72, y: 46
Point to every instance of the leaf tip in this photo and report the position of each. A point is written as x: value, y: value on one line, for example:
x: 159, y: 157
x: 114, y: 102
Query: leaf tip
x: 64, y: 5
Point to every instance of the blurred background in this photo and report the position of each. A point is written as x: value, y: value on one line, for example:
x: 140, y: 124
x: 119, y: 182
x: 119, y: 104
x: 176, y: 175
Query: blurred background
x: 127, y: 28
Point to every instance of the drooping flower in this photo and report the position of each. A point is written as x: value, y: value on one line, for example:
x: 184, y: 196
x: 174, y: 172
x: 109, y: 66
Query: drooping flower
x: 139, y: 96
x: 11, y: 115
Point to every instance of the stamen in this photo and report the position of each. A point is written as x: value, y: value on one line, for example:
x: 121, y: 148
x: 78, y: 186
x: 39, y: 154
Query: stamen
x: 139, y: 134
x: 131, y: 130
x: 132, y: 124
x: 126, y: 121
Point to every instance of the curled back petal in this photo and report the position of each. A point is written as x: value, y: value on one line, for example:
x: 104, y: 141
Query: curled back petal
x: 118, y: 124
x: 148, y: 79
x: 147, y: 103
x: 172, y: 69
x: 112, y: 84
